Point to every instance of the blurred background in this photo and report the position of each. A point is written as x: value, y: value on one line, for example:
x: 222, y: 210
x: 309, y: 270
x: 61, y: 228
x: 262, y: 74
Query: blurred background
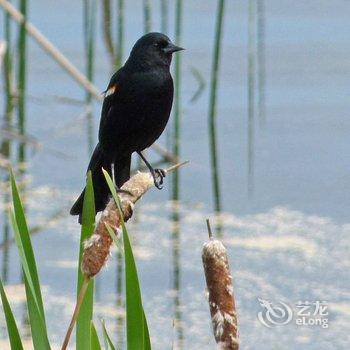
x: 261, y: 111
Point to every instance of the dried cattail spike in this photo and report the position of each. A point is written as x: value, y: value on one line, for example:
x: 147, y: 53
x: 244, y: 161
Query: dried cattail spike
x: 97, y: 248
x: 221, y: 299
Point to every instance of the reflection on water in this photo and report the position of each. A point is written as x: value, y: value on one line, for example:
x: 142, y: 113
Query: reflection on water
x: 256, y: 81
x: 175, y: 195
x: 120, y: 319
x: 251, y: 94
x: 5, y: 150
x: 5, y: 240
x: 257, y: 244
x: 261, y: 61
x: 176, y: 265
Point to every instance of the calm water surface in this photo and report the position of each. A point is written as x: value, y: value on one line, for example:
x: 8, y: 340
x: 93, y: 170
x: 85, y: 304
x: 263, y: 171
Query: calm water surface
x: 288, y: 241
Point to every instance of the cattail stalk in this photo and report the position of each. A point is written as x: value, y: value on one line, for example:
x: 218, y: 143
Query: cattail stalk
x: 97, y: 247
x: 221, y: 299
x: 80, y: 299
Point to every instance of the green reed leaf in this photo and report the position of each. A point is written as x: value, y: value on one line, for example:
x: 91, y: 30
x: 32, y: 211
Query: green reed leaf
x: 87, y: 228
x: 94, y: 341
x: 31, y: 279
x: 136, y: 325
x: 107, y: 339
x: 12, y: 330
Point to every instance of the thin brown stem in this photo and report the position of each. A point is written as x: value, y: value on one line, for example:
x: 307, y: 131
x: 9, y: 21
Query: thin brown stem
x: 76, y: 311
x: 175, y: 166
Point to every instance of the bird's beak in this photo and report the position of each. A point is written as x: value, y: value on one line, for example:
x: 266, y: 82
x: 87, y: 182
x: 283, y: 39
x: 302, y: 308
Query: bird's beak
x: 171, y: 48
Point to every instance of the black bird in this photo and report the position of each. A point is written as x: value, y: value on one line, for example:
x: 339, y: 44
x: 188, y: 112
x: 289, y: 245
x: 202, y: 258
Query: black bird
x: 135, y: 111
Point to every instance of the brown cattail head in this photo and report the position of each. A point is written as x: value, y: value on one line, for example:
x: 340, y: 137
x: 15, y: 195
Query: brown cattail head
x: 97, y: 247
x: 221, y: 299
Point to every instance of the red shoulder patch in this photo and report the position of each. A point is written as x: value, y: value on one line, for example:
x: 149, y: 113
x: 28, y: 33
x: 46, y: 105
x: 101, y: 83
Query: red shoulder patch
x: 111, y: 90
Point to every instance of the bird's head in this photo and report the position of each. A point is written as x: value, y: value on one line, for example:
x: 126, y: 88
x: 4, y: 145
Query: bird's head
x: 153, y: 49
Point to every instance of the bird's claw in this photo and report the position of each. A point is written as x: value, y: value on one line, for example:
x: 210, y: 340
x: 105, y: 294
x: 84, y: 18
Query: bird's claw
x: 158, y: 176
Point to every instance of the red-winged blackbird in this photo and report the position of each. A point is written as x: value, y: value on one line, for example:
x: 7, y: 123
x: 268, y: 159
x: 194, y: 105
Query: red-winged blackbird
x: 135, y: 111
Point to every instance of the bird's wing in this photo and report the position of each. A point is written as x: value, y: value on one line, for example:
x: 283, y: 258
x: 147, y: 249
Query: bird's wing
x: 109, y: 93
x: 108, y: 115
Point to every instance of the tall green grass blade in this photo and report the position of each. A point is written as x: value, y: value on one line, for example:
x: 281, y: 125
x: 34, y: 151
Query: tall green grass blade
x: 147, y: 339
x: 164, y: 11
x: 22, y: 77
x: 87, y: 228
x: 177, y: 101
x: 14, y: 337
x: 24, y: 240
x: 107, y: 339
x: 261, y: 65
x: 212, y: 105
x: 137, y: 336
x: 31, y: 279
x: 106, y: 26
x: 120, y: 34
x: 94, y: 341
x: 90, y: 26
x: 8, y: 70
x: 134, y: 310
x: 146, y: 16
x: 21, y: 252
x: 37, y: 326
x: 89, y: 19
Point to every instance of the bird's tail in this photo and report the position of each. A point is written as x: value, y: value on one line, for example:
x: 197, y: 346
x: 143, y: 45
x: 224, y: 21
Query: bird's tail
x: 101, y: 191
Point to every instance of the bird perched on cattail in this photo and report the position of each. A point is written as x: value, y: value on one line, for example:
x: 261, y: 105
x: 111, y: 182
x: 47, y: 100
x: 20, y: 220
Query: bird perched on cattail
x: 135, y: 111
